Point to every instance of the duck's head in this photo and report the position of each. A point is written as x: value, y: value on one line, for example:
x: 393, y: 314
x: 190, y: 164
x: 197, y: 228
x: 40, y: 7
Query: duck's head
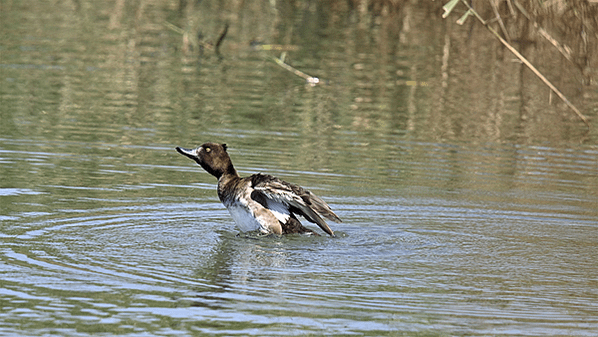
x: 212, y: 157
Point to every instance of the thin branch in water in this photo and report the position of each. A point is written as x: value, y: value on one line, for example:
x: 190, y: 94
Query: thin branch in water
x: 173, y: 28
x: 220, y: 39
x: 310, y: 79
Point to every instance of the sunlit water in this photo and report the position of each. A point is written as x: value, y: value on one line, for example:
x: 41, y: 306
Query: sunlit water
x: 451, y: 225
x: 150, y: 249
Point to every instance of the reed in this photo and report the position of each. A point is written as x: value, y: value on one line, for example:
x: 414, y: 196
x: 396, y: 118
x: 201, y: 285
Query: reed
x: 450, y: 6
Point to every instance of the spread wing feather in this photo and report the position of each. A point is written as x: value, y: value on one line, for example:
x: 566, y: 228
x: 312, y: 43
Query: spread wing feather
x: 298, y: 199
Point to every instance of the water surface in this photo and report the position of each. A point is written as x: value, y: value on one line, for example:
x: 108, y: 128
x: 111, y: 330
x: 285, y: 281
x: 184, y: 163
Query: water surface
x: 458, y: 219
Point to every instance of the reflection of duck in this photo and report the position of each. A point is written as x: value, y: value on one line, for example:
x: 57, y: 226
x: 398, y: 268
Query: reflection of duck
x: 261, y: 202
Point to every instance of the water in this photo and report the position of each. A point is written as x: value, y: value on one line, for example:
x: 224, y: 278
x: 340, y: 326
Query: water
x: 457, y: 220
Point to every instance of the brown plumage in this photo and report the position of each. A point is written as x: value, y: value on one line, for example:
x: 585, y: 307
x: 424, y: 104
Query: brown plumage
x: 261, y: 202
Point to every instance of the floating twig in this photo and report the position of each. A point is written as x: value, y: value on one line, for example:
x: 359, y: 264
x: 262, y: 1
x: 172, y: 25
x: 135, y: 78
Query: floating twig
x: 220, y: 39
x: 310, y: 79
x: 275, y: 47
x: 173, y: 28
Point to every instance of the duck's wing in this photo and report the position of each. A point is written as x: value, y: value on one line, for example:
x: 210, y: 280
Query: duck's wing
x: 272, y: 190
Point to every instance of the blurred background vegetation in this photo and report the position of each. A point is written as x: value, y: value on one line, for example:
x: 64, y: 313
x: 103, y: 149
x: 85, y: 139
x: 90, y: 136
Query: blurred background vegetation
x: 385, y: 67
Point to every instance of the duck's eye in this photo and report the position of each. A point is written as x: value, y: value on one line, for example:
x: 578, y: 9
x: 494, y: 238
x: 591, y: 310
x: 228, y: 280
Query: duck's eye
x: 208, y: 150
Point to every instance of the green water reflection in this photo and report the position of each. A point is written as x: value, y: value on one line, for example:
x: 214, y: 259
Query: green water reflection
x: 469, y: 200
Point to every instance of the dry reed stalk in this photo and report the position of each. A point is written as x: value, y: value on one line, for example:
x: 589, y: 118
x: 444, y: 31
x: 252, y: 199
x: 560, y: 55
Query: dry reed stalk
x: 451, y: 5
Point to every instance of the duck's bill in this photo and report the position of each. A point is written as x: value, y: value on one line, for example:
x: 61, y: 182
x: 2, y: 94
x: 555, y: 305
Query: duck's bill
x: 191, y: 153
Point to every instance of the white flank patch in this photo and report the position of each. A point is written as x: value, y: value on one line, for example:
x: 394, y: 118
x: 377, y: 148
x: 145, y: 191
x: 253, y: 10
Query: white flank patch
x: 243, y: 218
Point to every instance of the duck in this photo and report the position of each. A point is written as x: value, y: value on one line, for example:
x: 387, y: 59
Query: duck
x: 261, y: 202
